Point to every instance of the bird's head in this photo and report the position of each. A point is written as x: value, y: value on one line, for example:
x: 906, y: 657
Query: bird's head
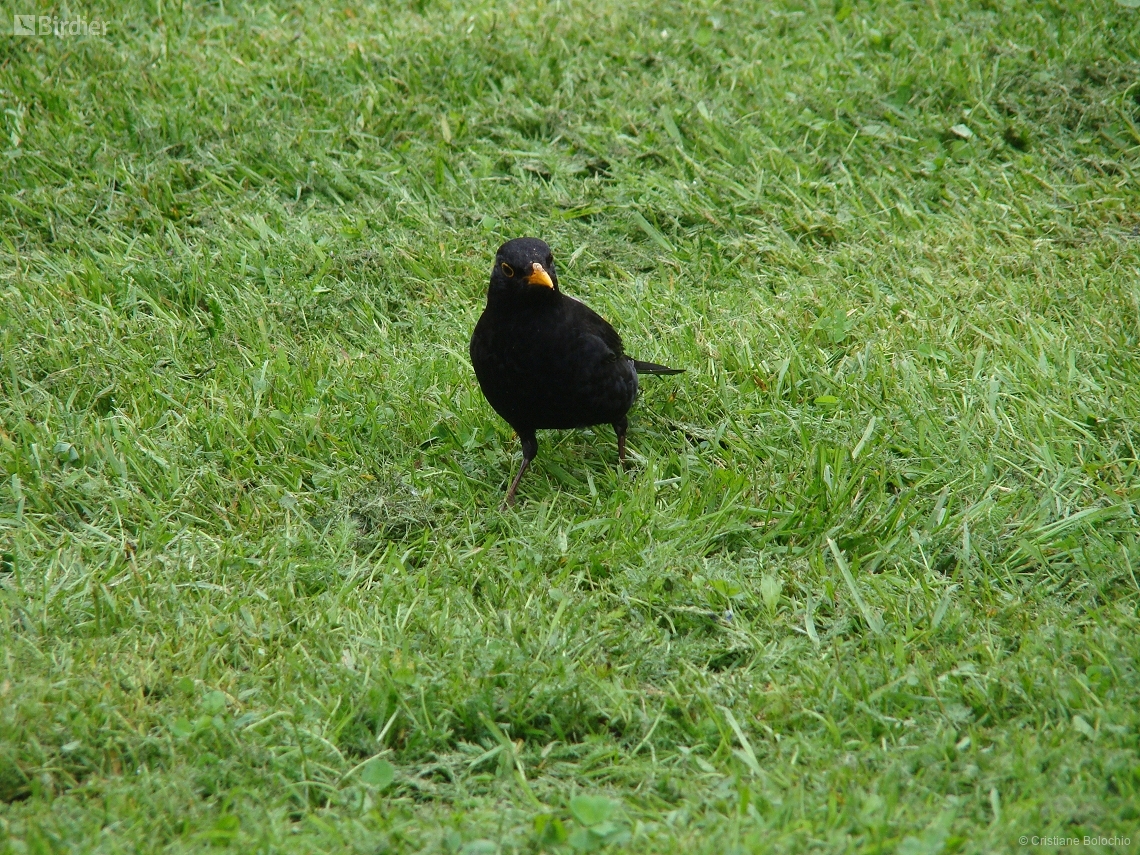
x: 524, y: 266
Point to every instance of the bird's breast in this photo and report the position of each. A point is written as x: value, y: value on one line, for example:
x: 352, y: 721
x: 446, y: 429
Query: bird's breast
x: 544, y: 372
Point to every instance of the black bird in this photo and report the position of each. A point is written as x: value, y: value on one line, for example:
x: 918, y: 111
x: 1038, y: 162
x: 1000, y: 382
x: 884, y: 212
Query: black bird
x: 545, y: 360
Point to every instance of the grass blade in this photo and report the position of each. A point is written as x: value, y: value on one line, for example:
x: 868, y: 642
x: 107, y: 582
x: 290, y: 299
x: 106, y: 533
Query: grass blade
x: 746, y: 753
x: 873, y: 620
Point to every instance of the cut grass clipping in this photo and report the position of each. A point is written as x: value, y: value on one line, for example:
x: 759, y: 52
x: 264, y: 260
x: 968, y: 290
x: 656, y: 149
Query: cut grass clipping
x: 870, y: 582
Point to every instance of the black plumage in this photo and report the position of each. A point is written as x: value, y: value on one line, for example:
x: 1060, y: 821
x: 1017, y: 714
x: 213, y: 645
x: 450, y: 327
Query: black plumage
x: 545, y: 360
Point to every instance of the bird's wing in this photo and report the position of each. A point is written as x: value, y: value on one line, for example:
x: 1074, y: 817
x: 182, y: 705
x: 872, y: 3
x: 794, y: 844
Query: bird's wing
x: 593, y: 324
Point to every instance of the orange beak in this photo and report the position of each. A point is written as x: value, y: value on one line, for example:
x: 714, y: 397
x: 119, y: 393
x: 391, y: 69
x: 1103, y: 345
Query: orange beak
x: 539, y: 276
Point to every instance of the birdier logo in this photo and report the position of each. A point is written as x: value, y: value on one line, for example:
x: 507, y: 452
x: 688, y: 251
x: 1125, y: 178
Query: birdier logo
x: 51, y: 25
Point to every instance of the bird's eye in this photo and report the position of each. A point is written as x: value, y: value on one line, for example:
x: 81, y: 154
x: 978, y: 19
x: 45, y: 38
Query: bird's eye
x: 550, y: 261
x: 507, y: 269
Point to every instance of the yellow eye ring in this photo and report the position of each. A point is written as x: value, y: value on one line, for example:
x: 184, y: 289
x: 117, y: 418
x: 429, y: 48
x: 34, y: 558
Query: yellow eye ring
x: 507, y: 269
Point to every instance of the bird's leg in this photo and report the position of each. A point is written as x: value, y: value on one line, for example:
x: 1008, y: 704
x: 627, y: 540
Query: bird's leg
x: 530, y: 450
x: 620, y: 428
x: 510, y: 500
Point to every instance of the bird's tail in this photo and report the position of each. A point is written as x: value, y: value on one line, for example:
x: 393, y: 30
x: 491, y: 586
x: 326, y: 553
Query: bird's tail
x: 653, y: 368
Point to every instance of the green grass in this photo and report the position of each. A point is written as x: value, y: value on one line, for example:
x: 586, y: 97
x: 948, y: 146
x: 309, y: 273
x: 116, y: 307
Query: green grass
x: 871, y: 582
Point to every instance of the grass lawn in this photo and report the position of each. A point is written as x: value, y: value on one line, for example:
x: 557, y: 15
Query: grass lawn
x: 870, y: 583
